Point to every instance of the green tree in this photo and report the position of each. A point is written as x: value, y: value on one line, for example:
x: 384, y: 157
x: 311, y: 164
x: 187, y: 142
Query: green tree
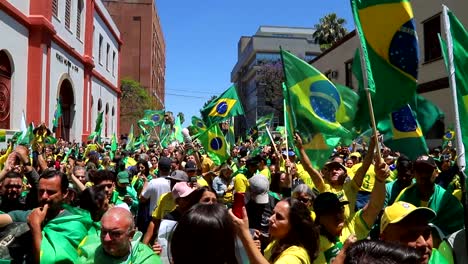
x: 329, y: 30
x: 135, y: 100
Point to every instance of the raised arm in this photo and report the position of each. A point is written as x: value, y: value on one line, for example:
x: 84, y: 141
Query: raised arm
x: 361, y: 172
x: 316, y: 176
x: 377, y: 198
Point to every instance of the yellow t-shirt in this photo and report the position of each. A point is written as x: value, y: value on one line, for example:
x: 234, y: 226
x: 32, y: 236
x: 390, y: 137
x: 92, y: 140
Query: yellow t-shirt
x: 240, y: 183
x: 166, y: 204
x: 266, y: 172
x: 201, y: 181
x: 369, y: 178
x: 329, y: 250
x: 292, y: 255
x: 207, y: 164
x: 346, y: 193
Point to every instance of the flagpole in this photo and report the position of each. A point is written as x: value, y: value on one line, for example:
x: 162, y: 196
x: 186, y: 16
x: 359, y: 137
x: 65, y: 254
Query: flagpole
x: 271, y: 138
x: 363, y: 54
x: 458, y: 134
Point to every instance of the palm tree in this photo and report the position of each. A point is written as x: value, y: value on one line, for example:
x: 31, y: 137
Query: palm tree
x: 329, y: 31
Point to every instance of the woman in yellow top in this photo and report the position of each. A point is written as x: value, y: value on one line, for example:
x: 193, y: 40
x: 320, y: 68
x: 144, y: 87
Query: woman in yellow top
x: 294, y: 235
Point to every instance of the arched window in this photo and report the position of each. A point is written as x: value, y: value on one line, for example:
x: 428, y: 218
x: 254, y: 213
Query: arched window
x: 99, y: 105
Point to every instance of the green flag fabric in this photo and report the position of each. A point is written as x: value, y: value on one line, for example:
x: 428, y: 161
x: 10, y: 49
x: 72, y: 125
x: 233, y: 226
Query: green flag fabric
x: 130, y: 140
x: 215, y: 144
x: 427, y: 113
x: 313, y: 99
x: 403, y: 133
x: 152, y: 118
x: 387, y: 33
x: 97, y: 129
x: 57, y: 113
x: 26, y: 136
x: 62, y: 235
x: 2, y: 135
x: 223, y: 107
x: 197, y: 127
x: 460, y: 62
x: 114, y: 146
x: 264, y: 121
x: 178, y: 130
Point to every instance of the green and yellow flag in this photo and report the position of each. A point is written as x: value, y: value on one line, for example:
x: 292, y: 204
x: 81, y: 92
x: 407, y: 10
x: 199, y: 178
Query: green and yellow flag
x: 2, y: 135
x: 389, y: 42
x: 311, y: 106
x: 215, y: 144
x: 197, y: 127
x: 458, y: 66
x: 403, y: 133
x: 152, y: 118
x: 97, y: 129
x: 114, y: 146
x: 57, y: 114
x: 130, y: 140
x: 223, y: 107
x: 313, y: 99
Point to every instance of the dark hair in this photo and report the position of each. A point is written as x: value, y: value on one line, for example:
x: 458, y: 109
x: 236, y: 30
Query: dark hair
x: 404, y: 162
x: 275, y: 185
x: 92, y: 200
x: 205, y: 234
x: 12, y: 175
x: 198, y: 193
x: 303, y: 231
x: 50, y: 173
x: 145, y: 164
x: 103, y: 175
x: 373, y: 251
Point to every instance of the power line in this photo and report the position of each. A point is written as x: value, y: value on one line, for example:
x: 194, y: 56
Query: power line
x: 191, y: 96
x: 205, y: 92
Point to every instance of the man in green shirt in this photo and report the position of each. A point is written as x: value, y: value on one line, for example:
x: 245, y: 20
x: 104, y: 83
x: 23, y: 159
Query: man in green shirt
x: 407, y: 224
x: 120, y: 242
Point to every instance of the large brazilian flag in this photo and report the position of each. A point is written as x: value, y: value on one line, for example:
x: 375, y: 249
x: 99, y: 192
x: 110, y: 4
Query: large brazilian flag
x: 313, y: 108
x: 387, y: 33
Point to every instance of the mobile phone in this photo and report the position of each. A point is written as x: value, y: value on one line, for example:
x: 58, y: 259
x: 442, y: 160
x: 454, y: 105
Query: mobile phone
x: 237, y: 205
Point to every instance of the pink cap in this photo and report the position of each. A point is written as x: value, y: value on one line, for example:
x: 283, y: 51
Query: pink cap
x: 181, y: 189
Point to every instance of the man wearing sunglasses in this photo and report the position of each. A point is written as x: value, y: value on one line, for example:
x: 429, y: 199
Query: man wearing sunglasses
x: 407, y: 224
x: 425, y: 193
x: 120, y: 242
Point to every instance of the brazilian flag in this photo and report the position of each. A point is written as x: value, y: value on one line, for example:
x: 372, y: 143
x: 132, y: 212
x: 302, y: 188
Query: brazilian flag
x: 313, y: 99
x: 97, y: 129
x: 403, y: 133
x: 152, y: 118
x: 197, y: 127
x: 114, y: 146
x: 57, y: 114
x: 223, y: 107
x: 387, y: 33
x: 215, y: 144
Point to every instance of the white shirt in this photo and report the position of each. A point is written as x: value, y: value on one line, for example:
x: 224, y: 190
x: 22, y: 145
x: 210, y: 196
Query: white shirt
x: 154, y: 190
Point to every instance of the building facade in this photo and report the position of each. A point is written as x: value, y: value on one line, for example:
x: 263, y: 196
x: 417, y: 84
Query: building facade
x: 144, y: 48
x: 433, y: 83
x: 258, y: 71
x: 59, y: 50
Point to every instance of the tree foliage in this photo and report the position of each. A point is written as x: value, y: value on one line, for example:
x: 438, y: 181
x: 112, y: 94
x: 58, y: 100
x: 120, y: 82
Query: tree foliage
x: 329, y: 30
x: 270, y: 77
x: 135, y: 100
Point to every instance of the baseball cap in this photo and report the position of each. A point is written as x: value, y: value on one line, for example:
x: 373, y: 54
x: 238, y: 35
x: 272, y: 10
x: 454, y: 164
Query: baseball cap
x: 425, y: 161
x: 334, y: 164
x: 164, y: 164
x: 190, y: 166
x: 123, y: 177
x: 258, y: 189
x: 327, y: 202
x: 355, y: 154
x: 290, y: 153
x: 181, y: 190
x: 178, y: 175
x: 399, y: 210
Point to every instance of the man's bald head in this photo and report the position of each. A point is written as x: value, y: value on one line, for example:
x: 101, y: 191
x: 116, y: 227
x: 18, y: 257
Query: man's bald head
x: 121, y: 215
x: 117, y: 230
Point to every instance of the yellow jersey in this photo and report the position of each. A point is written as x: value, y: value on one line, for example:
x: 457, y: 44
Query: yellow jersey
x: 166, y: 204
x: 292, y: 255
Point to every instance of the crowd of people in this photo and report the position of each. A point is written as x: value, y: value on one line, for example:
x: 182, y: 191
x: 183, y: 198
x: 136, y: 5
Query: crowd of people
x: 71, y: 203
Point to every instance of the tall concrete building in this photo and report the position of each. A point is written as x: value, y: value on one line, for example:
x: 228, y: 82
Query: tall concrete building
x: 433, y: 82
x: 144, y: 49
x: 257, y: 73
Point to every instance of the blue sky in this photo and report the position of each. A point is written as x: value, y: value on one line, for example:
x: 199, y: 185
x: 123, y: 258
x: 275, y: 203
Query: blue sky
x: 201, y: 40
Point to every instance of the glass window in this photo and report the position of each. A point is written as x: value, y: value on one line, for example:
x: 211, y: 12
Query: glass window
x: 432, y: 49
